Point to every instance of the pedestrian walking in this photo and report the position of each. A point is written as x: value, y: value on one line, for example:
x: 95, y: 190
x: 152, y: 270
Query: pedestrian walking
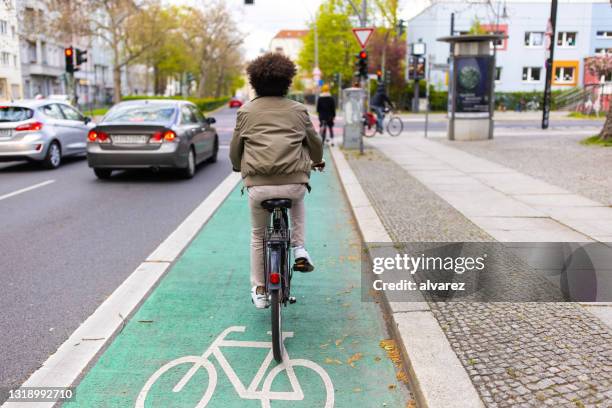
x: 326, y: 109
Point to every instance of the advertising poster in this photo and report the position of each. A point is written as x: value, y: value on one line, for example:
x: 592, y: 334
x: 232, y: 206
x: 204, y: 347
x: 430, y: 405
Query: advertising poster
x: 473, y: 84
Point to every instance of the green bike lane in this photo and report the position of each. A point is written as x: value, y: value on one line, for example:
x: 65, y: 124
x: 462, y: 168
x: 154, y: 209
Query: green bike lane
x: 207, y: 291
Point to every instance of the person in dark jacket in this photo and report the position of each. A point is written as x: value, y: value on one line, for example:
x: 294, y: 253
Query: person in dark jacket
x: 378, y: 104
x: 326, y: 108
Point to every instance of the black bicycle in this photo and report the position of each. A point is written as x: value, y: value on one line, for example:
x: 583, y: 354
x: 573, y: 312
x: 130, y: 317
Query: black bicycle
x: 277, y: 261
x: 277, y: 258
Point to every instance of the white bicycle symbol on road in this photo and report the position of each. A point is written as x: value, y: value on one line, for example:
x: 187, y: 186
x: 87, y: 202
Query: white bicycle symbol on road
x: 265, y: 394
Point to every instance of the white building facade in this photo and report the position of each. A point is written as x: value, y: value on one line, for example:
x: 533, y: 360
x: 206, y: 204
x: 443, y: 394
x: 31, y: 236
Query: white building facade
x: 10, y: 64
x: 521, y: 57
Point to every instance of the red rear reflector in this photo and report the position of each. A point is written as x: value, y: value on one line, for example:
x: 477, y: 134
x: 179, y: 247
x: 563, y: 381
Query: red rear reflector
x: 32, y: 126
x: 275, y: 278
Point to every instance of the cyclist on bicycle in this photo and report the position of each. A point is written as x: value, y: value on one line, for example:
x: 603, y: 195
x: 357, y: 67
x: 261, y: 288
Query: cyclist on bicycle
x: 378, y: 104
x: 274, y: 146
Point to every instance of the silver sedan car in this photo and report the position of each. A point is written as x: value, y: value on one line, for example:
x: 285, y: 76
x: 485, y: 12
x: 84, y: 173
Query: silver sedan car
x: 42, y: 131
x: 152, y: 134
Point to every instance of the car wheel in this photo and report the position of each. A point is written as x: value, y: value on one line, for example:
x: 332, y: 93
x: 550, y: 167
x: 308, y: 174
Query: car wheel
x: 103, y: 174
x: 189, y: 171
x: 213, y: 158
x: 53, y: 159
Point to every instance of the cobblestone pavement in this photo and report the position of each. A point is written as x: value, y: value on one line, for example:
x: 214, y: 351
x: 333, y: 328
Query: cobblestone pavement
x: 517, y: 354
x: 558, y: 160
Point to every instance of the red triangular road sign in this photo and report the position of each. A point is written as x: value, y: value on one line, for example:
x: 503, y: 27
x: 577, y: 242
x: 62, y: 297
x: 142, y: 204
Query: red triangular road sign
x: 363, y: 35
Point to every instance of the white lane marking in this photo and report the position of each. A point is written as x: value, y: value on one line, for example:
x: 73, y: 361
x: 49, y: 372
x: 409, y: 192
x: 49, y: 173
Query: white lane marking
x: 74, y: 355
x: 252, y: 392
x: 23, y: 190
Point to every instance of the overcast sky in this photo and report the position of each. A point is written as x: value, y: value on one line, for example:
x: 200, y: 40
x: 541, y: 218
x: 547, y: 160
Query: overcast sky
x: 261, y: 21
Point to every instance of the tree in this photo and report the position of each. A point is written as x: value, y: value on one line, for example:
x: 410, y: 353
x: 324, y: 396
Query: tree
x: 171, y: 56
x: 602, y: 66
x: 214, y: 40
x: 117, y: 22
x: 337, y: 46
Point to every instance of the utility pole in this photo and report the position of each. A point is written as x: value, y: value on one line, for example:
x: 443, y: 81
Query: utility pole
x: 551, y: 34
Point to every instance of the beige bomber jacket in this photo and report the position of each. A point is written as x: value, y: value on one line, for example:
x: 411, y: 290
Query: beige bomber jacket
x: 274, y: 142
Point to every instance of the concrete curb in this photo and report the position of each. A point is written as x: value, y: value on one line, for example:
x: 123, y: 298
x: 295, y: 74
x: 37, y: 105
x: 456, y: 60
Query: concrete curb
x: 437, y: 377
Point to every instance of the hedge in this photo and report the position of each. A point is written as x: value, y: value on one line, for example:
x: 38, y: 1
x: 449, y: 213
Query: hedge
x: 204, y: 104
x: 510, y: 100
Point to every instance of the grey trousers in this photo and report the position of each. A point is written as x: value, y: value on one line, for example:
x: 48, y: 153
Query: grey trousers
x: 261, y: 217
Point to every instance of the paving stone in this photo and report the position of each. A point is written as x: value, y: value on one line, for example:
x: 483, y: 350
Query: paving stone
x: 511, y: 351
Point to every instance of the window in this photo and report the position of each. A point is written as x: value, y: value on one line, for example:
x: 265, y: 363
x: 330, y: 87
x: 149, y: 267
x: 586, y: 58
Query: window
x: 603, y: 51
x: 532, y: 74
x: 196, y: 112
x: 3, y: 27
x: 140, y: 113
x: 498, y: 71
x: 5, y: 58
x: 32, y: 52
x: 187, y: 116
x: 566, y: 39
x: 70, y: 113
x: 565, y: 73
x: 604, y: 34
x: 608, y: 77
x: 53, y: 111
x: 534, y: 39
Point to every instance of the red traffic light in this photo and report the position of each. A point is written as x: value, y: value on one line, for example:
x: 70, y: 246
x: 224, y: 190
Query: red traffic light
x: 68, y: 52
x: 363, y: 55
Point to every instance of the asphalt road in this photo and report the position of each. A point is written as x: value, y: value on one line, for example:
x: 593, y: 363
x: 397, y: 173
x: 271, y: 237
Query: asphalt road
x: 67, y: 245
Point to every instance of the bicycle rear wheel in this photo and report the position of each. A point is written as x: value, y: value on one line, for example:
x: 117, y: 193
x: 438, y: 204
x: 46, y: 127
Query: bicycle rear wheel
x: 395, y: 126
x: 277, y: 327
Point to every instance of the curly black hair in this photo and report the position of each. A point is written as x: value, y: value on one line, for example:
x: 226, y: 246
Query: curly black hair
x: 271, y: 74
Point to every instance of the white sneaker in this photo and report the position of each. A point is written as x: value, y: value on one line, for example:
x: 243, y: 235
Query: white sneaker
x: 259, y: 298
x: 302, y: 262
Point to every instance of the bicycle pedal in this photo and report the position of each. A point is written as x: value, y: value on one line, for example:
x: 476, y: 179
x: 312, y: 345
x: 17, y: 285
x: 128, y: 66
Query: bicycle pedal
x: 292, y: 299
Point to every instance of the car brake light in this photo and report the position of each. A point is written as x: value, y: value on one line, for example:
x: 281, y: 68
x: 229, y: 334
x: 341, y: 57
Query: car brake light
x: 28, y: 127
x: 275, y: 278
x: 169, y: 136
x: 97, y: 136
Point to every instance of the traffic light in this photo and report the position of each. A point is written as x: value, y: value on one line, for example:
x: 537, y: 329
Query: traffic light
x: 401, y: 28
x: 81, y: 57
x: 363, y: 64
x: 379, y: 75
x: 69, y: 54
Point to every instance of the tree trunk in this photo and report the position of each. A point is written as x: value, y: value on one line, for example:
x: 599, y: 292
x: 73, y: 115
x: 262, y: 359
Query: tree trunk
x: 220, y: 82
x: 202, y: 84
x: 606, y: 132
x: 116, y: 83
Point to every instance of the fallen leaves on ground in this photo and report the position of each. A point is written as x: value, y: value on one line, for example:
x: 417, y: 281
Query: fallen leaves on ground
x: 353, y: 358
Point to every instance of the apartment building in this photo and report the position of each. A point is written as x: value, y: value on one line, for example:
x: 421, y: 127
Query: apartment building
x: 10, y: 65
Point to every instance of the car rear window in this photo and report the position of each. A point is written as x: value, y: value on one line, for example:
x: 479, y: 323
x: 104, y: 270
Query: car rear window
x: 15, y: 113
x: 140, y: 113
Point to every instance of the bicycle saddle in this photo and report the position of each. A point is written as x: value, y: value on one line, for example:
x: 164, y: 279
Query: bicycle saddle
x: 273, y: 203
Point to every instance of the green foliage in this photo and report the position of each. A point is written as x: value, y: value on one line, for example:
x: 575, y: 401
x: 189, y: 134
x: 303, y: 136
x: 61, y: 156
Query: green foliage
x: 204, y: 104
x: 580, y: 115
x: 596, y: 141
x: 337, y: 46
x: 476, y: 28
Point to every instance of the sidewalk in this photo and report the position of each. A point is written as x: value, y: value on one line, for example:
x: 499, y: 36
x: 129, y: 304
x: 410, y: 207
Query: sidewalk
x: 515, y: 354
x: 207, y: 291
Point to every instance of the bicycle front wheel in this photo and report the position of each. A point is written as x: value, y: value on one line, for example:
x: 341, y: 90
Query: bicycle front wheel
x: 277, y: 327
x: 395, y: 126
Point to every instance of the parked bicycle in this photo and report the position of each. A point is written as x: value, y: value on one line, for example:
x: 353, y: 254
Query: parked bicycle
x: 252, y: 391
x: 392, y: 124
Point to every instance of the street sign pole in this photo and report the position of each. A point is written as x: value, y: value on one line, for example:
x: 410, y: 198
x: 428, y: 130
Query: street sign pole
x: 550, y: 34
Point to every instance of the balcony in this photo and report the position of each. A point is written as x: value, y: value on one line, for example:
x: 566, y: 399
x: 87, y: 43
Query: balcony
x: 41, y: 69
